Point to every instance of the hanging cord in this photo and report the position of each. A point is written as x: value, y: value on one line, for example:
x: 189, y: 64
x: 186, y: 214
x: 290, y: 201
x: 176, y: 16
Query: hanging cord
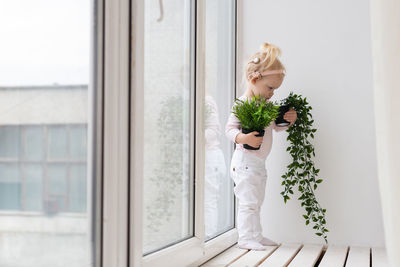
x: 161, y: 11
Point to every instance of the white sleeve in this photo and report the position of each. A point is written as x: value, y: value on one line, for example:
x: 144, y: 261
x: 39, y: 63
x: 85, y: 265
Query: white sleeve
x: 233, y: 127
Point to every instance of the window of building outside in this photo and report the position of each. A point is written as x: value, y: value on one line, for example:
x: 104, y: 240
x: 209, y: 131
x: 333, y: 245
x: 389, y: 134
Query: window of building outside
x: 45, y: 166
x: 44, y: 120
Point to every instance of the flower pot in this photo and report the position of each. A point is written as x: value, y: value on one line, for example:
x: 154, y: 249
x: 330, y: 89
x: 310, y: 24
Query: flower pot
x: 260, y: 133
x: 280, y: 121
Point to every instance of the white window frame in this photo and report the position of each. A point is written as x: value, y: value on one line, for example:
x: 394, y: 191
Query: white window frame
x: 96, y: 134
x: 114, y: 42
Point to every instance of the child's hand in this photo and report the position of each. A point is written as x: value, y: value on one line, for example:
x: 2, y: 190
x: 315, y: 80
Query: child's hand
x: 290, y: 116
x: 251, y: 139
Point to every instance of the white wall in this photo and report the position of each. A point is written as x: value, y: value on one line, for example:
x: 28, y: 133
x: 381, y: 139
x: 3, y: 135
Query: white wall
x: 326, y: 49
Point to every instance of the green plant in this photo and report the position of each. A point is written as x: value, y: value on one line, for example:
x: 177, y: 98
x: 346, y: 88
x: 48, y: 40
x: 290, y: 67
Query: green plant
x: 256, y: 113
x: 301, y: 171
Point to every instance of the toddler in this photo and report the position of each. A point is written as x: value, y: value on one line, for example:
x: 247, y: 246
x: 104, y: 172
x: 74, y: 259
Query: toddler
x: 264, y: 73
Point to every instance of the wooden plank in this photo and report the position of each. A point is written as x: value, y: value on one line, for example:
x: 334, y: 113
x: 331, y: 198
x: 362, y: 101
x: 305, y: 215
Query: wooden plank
x: 334, y: 256
x: 282, y: 256
x: 358, y: 257
x: 253, y: 257
x: 307, y: 256
x: 225, y: 257
x: 379, y: 257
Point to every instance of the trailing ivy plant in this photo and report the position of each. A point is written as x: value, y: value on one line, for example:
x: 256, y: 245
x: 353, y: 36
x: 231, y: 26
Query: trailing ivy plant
x: 301, y: 171
x: 255, y: 113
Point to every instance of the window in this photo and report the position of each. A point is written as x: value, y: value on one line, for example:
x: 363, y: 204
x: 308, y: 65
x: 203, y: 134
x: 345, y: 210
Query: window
x: 168, y: 109
x: 48, y: 196
x: 48, y: 170
x: 183, y: 86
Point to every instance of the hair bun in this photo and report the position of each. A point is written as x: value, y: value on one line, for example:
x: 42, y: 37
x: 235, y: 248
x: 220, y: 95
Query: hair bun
x: 270, y: 50
x: 265, y: 47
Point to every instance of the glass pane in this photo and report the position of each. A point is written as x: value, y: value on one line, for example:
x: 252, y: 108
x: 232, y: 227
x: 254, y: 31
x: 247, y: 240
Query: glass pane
x: 77, y: 142
x: 45, y: 96
x: 57, y: 174
x: 33, y: 187
x: 77, y: 192
x: 10, y: 186
x: 57, y: 138
x: 168, y: 183
x: 34, y: 143
x: 57, y: 188
x: 9, y: 141
x: 219, y: 57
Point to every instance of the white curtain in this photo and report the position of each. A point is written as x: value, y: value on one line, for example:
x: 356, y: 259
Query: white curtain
x: 385, y: 31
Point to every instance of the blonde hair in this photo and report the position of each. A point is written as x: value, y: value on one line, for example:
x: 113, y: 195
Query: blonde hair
x: 268, y: 60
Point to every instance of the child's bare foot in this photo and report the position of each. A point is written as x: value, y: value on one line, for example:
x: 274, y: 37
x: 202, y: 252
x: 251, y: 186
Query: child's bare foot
x: 251, y: 245
x: 268, y: 242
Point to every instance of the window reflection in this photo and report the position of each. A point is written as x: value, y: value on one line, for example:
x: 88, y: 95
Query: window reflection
x: 215, y: 168
x: 168, y: 180
x: 219, y: 59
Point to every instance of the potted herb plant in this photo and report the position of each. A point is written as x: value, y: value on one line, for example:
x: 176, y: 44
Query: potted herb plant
x: 301, y: 171
x: 255, y: 114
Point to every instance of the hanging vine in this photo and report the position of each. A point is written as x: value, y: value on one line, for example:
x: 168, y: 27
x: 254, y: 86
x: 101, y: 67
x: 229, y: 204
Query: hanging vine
x: 301, y: 171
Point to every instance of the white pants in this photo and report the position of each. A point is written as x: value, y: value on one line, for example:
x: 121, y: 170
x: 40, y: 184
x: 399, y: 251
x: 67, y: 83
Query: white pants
x: 215, y: 173
x: 250, y: 176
